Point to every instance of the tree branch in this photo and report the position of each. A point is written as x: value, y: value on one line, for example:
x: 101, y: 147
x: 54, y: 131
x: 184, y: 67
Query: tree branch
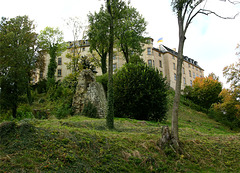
x: 232, y: 2
x: 207, y: 12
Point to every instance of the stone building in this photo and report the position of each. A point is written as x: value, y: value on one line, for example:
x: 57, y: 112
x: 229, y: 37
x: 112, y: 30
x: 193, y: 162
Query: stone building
x: 162, y: 58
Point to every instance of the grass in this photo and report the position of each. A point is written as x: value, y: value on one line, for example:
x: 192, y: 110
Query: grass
x: 81, y: 144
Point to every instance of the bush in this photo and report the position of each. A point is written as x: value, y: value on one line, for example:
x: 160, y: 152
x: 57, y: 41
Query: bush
x: 89, y: 110
x: 62, y: 111
x: 226, y: 115
x: 41, y: 86
x: 103, y: 79
x: 140, y: 92
x: 24, y: 111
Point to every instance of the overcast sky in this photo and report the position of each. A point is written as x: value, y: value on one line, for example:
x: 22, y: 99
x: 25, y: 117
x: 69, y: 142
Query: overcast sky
x: 210, y: 41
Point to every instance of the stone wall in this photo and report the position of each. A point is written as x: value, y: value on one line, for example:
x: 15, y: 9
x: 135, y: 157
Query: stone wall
x: 89, y: 90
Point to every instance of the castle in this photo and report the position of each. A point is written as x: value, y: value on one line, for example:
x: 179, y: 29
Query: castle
x: 163, y: 58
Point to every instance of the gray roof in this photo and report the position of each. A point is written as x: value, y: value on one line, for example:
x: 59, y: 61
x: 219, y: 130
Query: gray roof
x: 165, y: 49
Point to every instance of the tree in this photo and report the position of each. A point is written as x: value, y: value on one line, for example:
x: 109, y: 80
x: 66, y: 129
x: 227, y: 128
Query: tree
x: 232, y: 73
x: 227, y: 111
x: 206, y: 91
x: 98, y: 35
x: 51, y: 40
x: 111, y: 4
x: 140, y: 93
x: 18, y: 57
x: 76, y: 26
x: 186, y: 11
x: 130, y: 29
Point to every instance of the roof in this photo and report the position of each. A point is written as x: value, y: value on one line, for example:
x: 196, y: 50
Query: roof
x: 165, y: 49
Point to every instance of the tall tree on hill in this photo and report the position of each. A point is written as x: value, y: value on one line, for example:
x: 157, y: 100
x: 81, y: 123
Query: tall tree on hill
x: 110, y: 113
x: 98, y: 35
x: 18, y: 57
x: 186, y: 11
x: 51, y: 40
x: 130, y: 30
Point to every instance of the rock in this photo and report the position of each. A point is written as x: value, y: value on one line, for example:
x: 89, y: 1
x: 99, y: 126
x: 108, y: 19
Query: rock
x: 88, y: 90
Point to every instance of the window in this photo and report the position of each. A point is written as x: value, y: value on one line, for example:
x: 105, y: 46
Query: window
x: 196, y: 69
x: 184, y: 81
x: 114, y: 57
x: 114, y: 67
x: 83, y: 49
x: 197, y: 75
x: 59, y: 72
x: 175, y: 76
x: 149, y: 51
x: 189, y: 65
x: 159, y: 54
x: 190, y: 74
x: 191, y: 82
x: 59, y: 61
x: 192, y: 67
x: 150, y: 63
x: 183, y: 70
x: 173, y: 57
x: 174, y: 68
x: 160, y: 63
x: 193, y: 75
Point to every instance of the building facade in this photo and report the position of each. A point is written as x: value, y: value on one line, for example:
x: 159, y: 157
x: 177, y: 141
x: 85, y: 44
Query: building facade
x: 163, y: 58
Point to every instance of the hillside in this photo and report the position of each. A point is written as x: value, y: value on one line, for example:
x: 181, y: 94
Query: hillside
x: 80, y: 144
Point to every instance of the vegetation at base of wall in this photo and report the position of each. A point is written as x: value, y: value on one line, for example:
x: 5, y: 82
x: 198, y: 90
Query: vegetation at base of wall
x: 103, y: 79
x: 89, y: 110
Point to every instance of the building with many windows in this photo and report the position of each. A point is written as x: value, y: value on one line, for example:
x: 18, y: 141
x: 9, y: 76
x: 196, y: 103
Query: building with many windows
x: 163, y: 58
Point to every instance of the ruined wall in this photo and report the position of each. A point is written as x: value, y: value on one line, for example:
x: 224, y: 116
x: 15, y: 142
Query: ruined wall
x: 89, y: 90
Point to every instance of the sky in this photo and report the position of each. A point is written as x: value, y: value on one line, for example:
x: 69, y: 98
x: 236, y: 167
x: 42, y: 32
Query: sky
x: 209, y: 40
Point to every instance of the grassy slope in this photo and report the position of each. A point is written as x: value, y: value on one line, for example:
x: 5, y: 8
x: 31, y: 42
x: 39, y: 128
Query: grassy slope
x: 80, y: 144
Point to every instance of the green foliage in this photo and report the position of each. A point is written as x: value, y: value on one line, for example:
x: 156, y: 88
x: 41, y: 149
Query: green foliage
x: 24, y: 111
x: 51, y: 41
x: 205, y: 91
x: 81, y: 144
x: 98, y: 34
x: 89, y: 110
x: 62, y: 111
x: 140, y: 92
x: 227, y: 112
x: 41, y: 86
x: 131, y: 27
x: 18, y: 55
x: 103, y: 79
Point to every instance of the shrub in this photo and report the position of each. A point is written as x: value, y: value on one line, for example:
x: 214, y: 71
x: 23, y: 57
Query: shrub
x: 62, y: 111
x: 89, y: 110
x: 41, y: 86
x: 140, y: 92
x: 24, y: 111
x: 103, y: 79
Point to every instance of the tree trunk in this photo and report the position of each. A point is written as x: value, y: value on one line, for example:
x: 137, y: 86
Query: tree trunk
x: 104, y: 62
x: 110, y: 113
x: 174, y: 130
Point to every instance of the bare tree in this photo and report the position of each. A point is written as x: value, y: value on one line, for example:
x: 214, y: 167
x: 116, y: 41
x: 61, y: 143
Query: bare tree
x: 186, y: 11
x: 76, y: 26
